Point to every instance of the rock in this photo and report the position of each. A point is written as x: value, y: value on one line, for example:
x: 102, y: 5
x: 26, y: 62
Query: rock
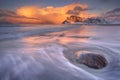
x: 73, y: 19
x: 92, y: 60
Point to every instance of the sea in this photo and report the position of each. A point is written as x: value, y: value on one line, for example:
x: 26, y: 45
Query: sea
x: 47, y: 52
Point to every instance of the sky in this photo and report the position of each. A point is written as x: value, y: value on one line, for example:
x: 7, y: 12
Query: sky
x: 52, y: 11
x: 98, y: 4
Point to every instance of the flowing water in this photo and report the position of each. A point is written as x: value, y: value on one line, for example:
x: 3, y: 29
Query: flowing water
x: 47, y: 52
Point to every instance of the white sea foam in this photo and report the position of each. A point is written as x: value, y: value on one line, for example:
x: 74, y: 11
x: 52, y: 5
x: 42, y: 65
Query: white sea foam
x: 40, y: 54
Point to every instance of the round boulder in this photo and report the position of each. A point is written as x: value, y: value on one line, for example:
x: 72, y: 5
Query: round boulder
x: 91, y: 60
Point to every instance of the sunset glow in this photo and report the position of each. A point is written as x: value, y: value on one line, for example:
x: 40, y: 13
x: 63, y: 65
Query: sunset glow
x: 52, y: 15
x: 59, y: 39
x: 27, y: 11
x: 46, y: 15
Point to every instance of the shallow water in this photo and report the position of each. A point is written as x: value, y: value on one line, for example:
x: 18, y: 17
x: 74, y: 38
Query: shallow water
x: 37, y: 53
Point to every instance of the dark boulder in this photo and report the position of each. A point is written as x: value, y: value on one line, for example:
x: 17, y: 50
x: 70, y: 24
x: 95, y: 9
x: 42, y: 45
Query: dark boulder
x: 92, y: 60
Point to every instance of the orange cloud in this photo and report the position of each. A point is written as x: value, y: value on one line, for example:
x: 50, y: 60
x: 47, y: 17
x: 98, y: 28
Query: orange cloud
x: 49, y: 14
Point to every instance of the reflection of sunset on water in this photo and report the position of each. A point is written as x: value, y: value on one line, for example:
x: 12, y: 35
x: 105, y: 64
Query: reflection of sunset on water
x: 82, y: 34
x: 35, y: 41
x: 76, y: 35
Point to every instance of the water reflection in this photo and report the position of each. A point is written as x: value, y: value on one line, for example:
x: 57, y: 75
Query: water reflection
x: 82, y: 34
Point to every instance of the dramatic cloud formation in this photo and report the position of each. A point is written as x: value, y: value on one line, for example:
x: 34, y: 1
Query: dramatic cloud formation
x: 77, y: 10
x: 6, y: 13
x: 7, y: 16
x: 114, y: 11
x: 113, y: 15
x: 46, y: 15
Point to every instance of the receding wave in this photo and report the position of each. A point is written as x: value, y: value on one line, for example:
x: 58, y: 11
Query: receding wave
x: 49, y: 54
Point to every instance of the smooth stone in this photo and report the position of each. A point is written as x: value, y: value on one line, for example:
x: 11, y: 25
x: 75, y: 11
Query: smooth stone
x: 92, y: 60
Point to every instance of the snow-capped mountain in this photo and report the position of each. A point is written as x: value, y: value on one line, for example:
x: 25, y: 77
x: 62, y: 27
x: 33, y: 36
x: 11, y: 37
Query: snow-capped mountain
x: 80, y: 20
x: 110, y: 17
x: 96, y: 20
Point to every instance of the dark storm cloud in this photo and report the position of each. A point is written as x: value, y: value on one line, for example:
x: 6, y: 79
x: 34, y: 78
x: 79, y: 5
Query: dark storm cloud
x: 113, y: 13
x: 117, y: 10
x: 76, y: 10
x: 7, y: 13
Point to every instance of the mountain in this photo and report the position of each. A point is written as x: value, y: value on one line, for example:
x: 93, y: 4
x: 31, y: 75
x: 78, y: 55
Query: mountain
x: 96, y: 20
x: 80, y: 20
x: 73, y: 19
x: 110, y: 17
